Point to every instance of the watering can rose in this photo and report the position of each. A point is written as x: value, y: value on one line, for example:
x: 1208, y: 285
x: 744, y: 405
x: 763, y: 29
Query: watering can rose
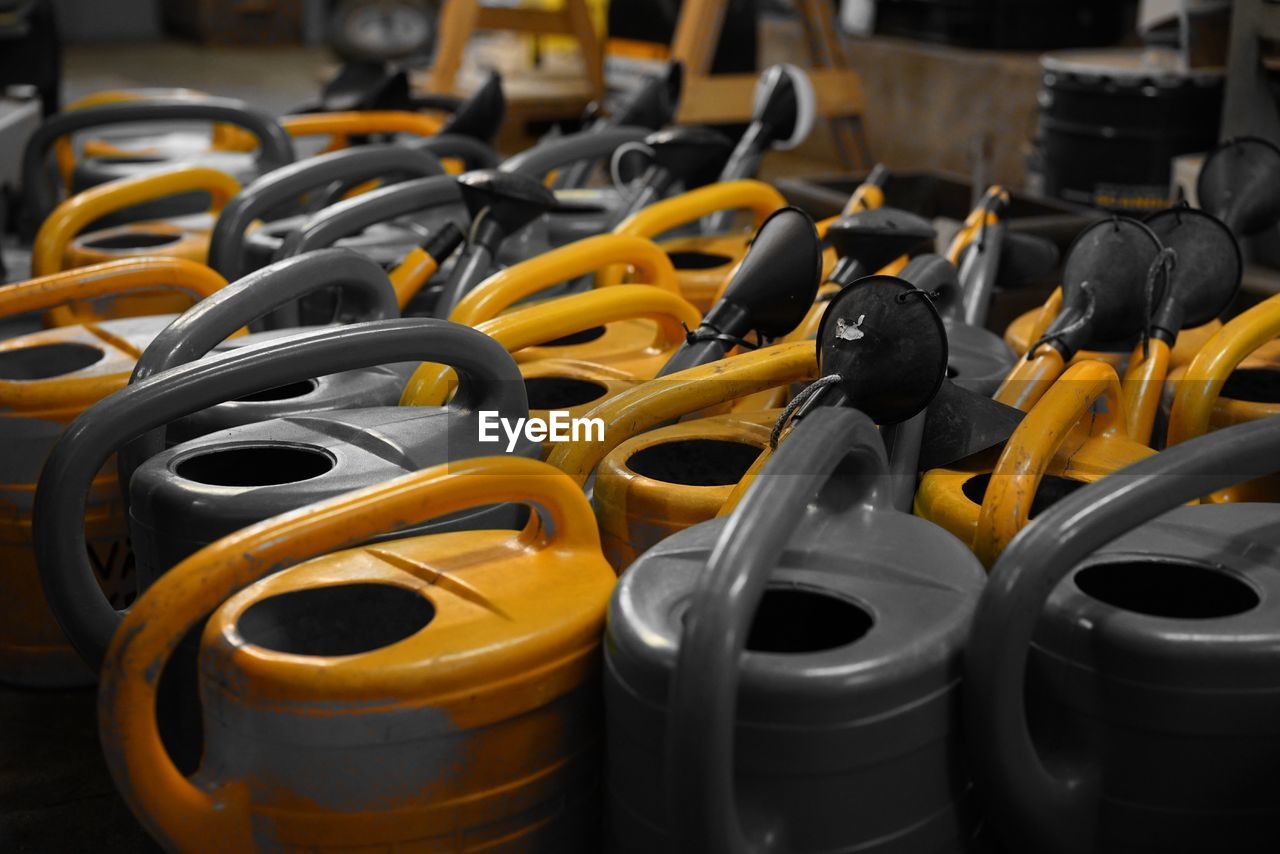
x: 558, y: 426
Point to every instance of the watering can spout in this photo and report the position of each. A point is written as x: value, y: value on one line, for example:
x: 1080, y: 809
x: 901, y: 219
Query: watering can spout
x: 481, y: 114
x: 1240, y: 184
x: 870, y: 239
x: 654, y: 105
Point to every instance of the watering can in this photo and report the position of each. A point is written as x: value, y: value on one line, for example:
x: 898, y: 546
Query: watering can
x: 437, y: 692
x: 274, y: 149
x: 237, y: 247
x: 46, y: 380
x: 1076, y: 433
x: 686, y: 156
x: 787, y: 677
x: 704, y: 263
x: 1131, y: 638
x: 1109, y: 290
x: 197, y: 491
x: 393, y: 217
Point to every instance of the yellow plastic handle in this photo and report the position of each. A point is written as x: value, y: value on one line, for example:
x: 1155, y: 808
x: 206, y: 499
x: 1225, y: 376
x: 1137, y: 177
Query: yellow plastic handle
x: 661, y: 217
x: 182, y: 816
x: 520, y: 281
x: 1202, y: 384
x: 648, y: 404
x: 866, y: 197
x: 81, y: 210
x: 1031, y: 378
x: 107, y: 279
x: 340, y: 126
x: 1143, y: 386
x: 1088, y: 392
x: 537, y: 324
x: 979, y: 217
x: 414, y: 270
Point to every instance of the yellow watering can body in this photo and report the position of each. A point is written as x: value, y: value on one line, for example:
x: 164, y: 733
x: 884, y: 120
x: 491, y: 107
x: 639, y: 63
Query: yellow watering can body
x: 451, y: 701
x: 46, y: 380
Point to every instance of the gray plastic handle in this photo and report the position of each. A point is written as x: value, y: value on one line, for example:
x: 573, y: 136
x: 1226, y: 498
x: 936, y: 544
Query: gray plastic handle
x: 284, y: 185
x: 489, y: 379
x: 536, y: 162
x: 209, y: 322
x: 352, y: 216
x: 704, y: 687
x: 473, y: 153
x: 1038, y: 810
x: 275, y: 146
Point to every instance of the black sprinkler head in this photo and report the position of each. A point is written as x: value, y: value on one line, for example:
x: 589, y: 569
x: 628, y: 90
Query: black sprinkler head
x: 1207, y: 268
x: 1239, y: 183
x: 775, y: 285
x: 480, y: 116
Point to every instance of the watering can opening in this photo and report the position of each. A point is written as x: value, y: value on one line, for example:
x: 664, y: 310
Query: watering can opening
x: 1052, y: 489
x: 339, y: 619
x: 1257, y: 385
x: 690, y: 259
x: 47, y: 360
x: 695, y: 462
x: 132, y: 240
x: 1167, y: 587
x: 254, y: 465
x: 290, y: 391
x: 796, y: 620
x: 561, y: 392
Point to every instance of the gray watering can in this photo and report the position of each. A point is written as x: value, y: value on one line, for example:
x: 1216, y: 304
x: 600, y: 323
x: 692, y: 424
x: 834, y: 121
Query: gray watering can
x: 234, y: 250
x: 275, y: 149
x: 787, y: 678
x: 200, y: 490
x: 1120, y: 683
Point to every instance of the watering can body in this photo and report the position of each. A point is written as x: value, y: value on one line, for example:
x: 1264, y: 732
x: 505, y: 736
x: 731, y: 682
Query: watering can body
x: 845, y: 734
x: 452, y: 701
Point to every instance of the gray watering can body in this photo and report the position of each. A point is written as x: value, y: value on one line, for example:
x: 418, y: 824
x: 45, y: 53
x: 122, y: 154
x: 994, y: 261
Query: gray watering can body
x: 269, y: 467
x: 837, y: 730
x: 1121, y: 688
x: 275, y: 149
x: 234, y: 250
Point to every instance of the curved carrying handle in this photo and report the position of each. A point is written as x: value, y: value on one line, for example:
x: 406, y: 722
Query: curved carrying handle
x: 1202, y: 384
x: 339, y: 126
x: 519, y: 281
x: 982, y: 216
x: 537, y: 324
x: 1087, y: 391
x: 701, y: 708
x: 490, y: 381
x: 76, y: 213
x: 208, y: 323
x: 473, y: 153
x: 650, y: 403
x: 283, y: 186
x: 1143, y: 386
x: 174, y: 810
x: 275, y: 147
x: 1034, y: 809
x: 539, y: 161
x: 108, y: 279
x: 1031, y: 377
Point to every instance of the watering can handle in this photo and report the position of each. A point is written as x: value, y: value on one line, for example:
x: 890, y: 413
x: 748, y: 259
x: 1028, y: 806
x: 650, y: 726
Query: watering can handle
x: 226, y: 244
x: 1039, y: 810
x: 491, y: 381
x: 76, y: 213
x: 657, y: 401
x: 474, y: 153
x: 166, y: 801
x: 1087, y: 390
x: 275, y: 148
x: 539, y: 161
x: 107, y: 279
x: 1031, y: 378
x: 537, y: 324
x: 338, y: 126
x: 1202, y: 384
x: 703, y: 696
x: 519, y: 281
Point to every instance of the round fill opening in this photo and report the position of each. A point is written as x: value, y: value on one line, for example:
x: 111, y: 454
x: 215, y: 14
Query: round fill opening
x: 47, y: 360
x: 1259, y: 385
x: 132, y: 240
x: 281, y: 392
x: 583, y: 337
x: 255, y: 465
x: 1051, y: 490
x: 694, y: 260
x: 1166, y: 588
x: 344, y: 619
x: 561, y: 392
x: 795, y: 620
x: 695, y: 462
